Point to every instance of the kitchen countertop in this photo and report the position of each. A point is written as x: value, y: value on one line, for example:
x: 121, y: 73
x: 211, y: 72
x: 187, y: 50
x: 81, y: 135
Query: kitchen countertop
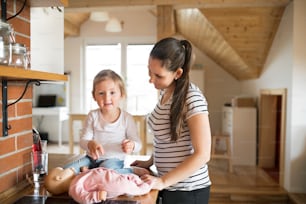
x: 55, y: 160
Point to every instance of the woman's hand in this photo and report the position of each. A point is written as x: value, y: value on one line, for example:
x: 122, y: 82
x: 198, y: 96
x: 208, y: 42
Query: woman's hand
x: 156, y: 181
x: 141, y: 163
x: 127, y: 146
x: 95, y: 149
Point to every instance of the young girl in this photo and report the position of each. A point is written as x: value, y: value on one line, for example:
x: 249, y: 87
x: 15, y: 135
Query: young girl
x: 180, y: 124
x: 109, y: 132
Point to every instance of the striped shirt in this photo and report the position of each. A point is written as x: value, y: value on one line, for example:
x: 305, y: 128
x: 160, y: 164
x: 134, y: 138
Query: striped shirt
x: 168, y: 154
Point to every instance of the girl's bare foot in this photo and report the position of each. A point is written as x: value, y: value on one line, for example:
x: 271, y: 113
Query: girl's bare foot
x: 140, y: 171
x: 84, y: 168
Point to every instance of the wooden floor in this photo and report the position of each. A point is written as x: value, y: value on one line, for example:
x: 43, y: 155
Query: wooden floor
x: 245, y: 185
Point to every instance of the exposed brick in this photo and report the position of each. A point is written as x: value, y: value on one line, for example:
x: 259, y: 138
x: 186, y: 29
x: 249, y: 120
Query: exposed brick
x: 14, y: 6
x: 11, y: 111
x: 14, y: 160
x: 17, y: 160
x: 25, y: 12
x: 14, y: 91
x: 10, y: 6
x: 20, y: 125
x: 7, y: 145
x: 24, y: 108
x: 20, y: 26
x: 24, y: 141
x: 8, y: 181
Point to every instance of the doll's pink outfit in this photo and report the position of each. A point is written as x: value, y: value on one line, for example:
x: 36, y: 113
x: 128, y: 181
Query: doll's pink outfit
x: 85, y: 187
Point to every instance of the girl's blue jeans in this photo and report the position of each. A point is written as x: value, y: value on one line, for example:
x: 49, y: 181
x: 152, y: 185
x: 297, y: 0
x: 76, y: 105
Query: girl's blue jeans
x: 114, y: 163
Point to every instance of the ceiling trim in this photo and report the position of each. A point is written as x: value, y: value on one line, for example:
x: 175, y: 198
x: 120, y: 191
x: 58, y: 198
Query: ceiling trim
x: 89, y: 4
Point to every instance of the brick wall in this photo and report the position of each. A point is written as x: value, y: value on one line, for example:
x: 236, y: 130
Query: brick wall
x: 15, y: 148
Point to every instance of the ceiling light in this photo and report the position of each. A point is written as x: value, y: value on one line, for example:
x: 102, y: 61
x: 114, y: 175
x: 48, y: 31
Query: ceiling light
x: 99, y: 16
x: 113, y: 25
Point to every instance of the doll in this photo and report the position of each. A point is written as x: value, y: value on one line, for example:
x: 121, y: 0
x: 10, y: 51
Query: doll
x: 94, y: 185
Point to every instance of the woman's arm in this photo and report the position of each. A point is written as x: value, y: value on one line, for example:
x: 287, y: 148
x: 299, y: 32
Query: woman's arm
x: 201, y: 139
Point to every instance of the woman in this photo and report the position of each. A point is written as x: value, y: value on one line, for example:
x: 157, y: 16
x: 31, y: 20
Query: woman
x: 180, y: 124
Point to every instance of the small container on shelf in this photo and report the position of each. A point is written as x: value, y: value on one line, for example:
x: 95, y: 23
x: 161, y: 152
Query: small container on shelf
x: 5, y: 52
x: 7, y: 33
x: 19, y: 56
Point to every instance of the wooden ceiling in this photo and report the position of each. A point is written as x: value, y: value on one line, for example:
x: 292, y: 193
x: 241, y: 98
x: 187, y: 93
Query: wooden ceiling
x: 236, y: 34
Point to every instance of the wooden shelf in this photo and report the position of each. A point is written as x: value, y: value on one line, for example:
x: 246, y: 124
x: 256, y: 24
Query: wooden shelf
x: 19, y: 74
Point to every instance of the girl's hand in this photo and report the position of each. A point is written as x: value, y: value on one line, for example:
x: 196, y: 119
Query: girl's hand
x: 156, y: 181
x: 127, y: 146
x: 95, y: 149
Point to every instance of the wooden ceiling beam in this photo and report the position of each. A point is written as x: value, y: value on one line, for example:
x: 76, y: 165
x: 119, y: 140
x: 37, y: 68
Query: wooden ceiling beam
x: 71, y: 29
x: 177, y: 3
x: 165, y: 22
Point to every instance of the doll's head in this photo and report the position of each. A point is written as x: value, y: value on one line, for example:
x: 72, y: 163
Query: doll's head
x: 58, y: 180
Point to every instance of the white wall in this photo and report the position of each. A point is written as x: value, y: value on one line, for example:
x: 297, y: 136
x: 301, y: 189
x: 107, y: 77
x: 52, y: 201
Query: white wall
x: 277, y: 73
x: 220, y: 88
x: 47, y: 43
x: 286, y: 68
x: 297, y: 154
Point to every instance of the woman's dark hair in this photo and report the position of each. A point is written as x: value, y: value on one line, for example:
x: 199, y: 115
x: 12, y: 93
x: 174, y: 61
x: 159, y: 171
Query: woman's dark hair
x: 175, y: 54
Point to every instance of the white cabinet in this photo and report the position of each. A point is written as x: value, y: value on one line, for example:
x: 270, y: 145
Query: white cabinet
x: 47, y: 40
x: 51, y: 120
x: 240, y: 123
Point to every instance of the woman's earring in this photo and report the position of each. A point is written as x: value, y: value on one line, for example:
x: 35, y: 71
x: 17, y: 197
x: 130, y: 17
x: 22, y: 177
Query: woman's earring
x: 175, y: 78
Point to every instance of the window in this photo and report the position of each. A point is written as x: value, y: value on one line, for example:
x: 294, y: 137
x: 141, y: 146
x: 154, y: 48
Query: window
x: 97, y: 58
x: 141, y: 95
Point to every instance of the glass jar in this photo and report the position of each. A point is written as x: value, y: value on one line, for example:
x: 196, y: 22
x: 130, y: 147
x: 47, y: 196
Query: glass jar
x: 5, y: 52
x: 7, y: 33
x: 18, y: 56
